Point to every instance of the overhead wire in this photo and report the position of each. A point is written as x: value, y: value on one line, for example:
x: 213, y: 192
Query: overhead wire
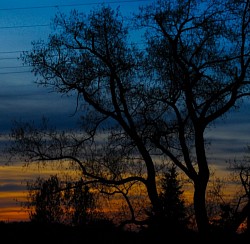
x: 71, y: 5
x: 44, y: 25
x: 23, y: 26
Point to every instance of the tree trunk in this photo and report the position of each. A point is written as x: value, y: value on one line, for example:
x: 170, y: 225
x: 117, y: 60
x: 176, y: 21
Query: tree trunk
x: 200, y: 207
x: 200, y: 184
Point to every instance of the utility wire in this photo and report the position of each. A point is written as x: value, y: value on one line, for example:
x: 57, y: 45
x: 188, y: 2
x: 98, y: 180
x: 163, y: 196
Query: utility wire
x: 8, y: 58
x: 23, y: 26
x: 8, y: 52
x: 14, y: 72
x: 71, y: 5
x: 15, y: 67
x: 53, y: 6
x: 44, y: 25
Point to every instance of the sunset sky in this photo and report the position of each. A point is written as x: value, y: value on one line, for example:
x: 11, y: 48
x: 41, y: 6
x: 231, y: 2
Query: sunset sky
x: 24, y: 21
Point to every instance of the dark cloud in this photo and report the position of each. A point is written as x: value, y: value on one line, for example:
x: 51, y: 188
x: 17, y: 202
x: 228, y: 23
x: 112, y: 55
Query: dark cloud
x: 11, y: 187
x: 229, y: 140
x: 31, y: 103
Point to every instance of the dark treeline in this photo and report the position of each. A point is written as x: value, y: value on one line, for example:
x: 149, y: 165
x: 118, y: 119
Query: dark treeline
x: 106, y: 233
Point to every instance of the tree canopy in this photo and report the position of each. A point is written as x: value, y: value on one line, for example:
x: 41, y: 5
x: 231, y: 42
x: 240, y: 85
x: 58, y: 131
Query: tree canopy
x: 54, y: 201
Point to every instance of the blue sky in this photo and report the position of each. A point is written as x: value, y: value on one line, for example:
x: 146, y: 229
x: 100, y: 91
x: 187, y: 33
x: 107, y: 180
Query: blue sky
x: 23, y: 21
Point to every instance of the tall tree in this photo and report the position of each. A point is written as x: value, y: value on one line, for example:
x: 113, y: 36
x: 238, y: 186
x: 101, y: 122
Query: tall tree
x: 90, y: 55
x: 198, y: 60
x: 194, y: 69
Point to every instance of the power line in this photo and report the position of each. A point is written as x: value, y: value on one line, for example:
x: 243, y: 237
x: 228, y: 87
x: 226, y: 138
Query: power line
x: 22, y: 51
x: 71, y: 5
x: 7, y: 58
x: 44, y: 25
x: 14, y: 72
x: 7, y: 52
x: 23, y: 26
x: 15, y: 67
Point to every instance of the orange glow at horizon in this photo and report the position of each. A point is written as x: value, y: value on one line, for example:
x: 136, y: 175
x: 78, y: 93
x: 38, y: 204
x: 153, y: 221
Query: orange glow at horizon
x: 13, y: 214
x: 13, y: 191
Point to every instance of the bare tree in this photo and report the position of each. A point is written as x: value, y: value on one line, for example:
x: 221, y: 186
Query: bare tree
x: 91, y: 56
x: 198, y: 62
x: 143, y: 103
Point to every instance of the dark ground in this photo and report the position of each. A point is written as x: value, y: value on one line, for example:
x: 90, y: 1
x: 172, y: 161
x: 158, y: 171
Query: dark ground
x: 27, y: 233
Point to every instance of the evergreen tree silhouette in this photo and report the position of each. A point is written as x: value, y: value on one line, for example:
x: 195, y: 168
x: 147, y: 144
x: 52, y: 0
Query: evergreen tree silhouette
x: 173, y: 204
